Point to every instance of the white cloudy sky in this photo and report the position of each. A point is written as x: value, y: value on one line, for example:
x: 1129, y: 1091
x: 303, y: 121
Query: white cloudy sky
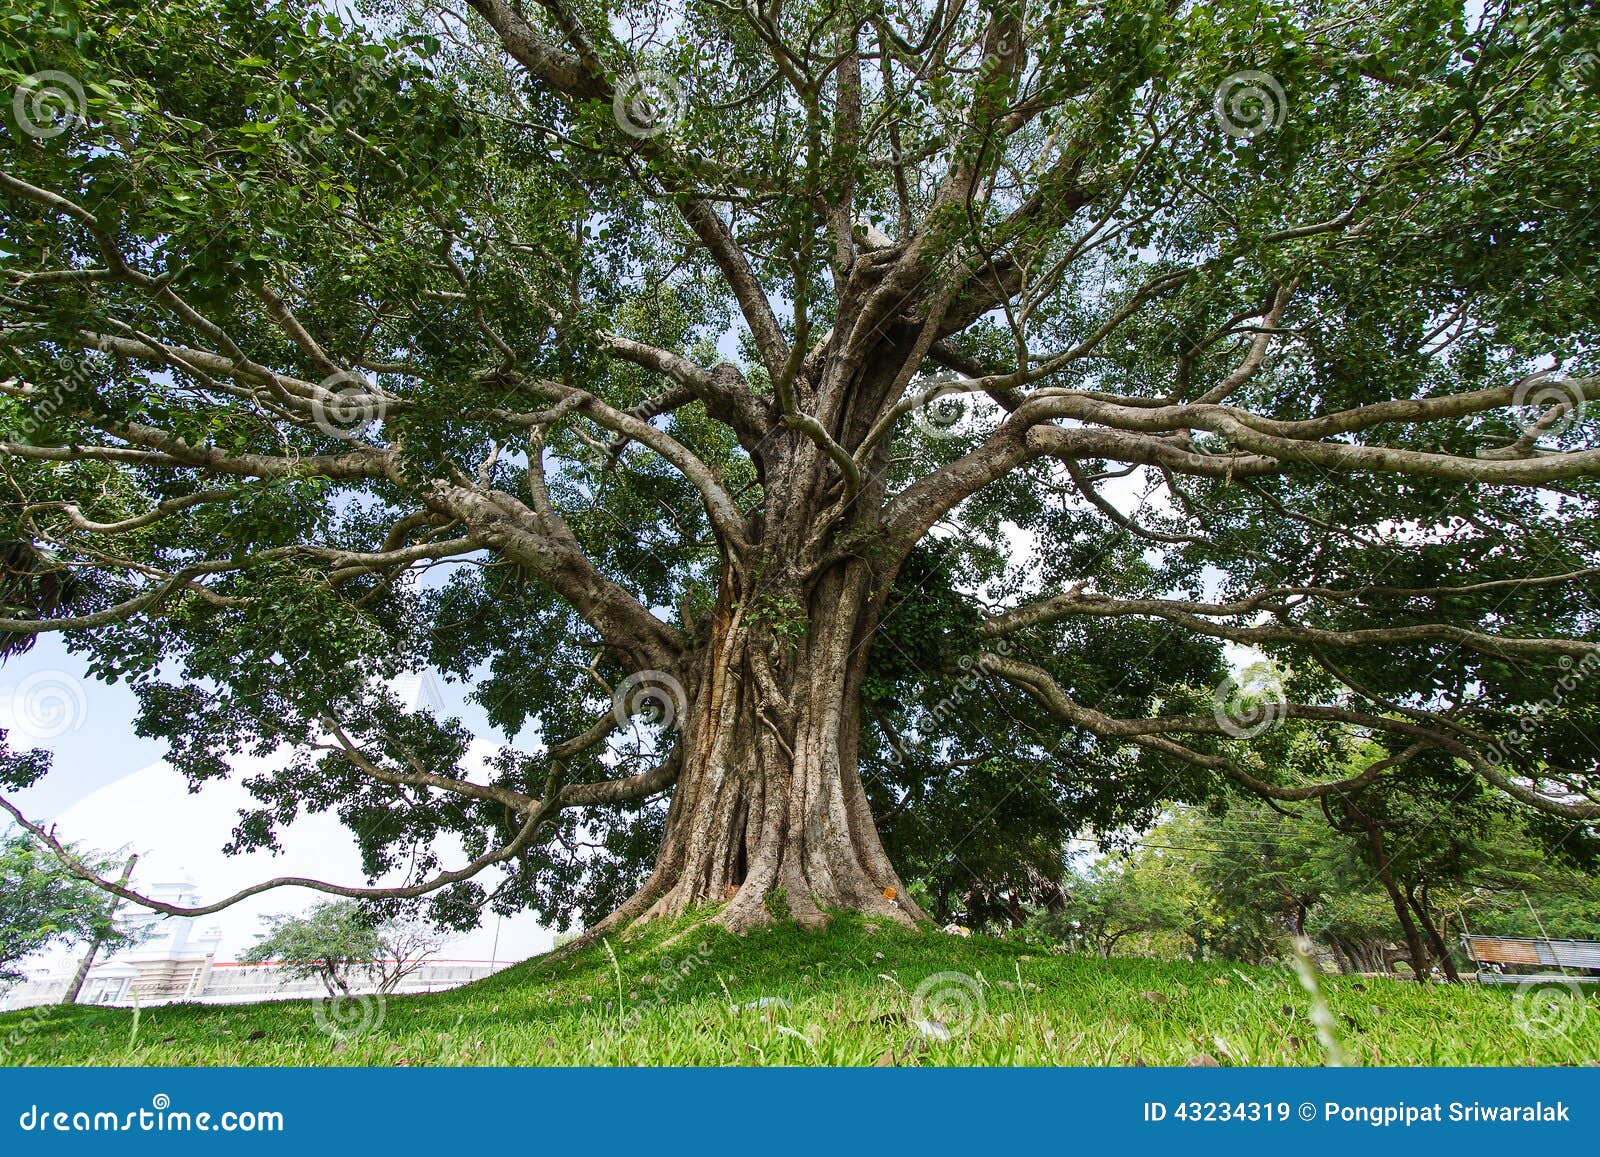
x: 112, y: 790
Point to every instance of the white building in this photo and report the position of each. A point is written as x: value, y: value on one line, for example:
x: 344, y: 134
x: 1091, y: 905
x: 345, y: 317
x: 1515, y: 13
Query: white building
x: 174, y: 958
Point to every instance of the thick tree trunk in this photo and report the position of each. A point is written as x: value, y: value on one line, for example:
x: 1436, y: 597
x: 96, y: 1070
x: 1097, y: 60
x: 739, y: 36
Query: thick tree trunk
x: 769, y: 799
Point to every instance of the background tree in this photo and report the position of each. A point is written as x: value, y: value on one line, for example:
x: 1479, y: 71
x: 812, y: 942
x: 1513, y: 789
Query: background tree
x: 328, y: 943
x: 1146, y: 896
x: 1272, y: 875
x: 742, y: 397
x: 1237, y: 885
x: 406, y: 941
x: 42, y: 903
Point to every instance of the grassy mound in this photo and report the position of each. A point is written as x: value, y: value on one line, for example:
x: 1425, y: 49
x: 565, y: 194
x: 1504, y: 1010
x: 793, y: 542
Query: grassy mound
x: 856, y: 994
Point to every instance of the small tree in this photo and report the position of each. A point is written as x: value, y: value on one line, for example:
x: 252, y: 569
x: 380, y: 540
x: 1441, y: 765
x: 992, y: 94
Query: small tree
x: 405, y: 944
x: 332, y: 941
x: 1119, y: 897
x: 43, y: 903
x: 328, y: 943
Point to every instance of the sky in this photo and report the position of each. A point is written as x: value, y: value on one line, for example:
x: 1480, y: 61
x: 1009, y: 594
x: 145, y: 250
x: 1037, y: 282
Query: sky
x: 111, y: 790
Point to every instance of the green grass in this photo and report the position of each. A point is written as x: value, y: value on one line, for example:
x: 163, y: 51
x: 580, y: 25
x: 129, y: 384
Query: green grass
x: 845, y: 996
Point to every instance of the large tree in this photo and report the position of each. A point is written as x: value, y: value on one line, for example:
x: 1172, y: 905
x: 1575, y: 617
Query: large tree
x: 891, y: 408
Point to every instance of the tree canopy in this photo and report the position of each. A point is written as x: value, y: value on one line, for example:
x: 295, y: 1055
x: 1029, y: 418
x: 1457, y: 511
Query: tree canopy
x: 328, y: 943
x: 839, y: 443
x: 43, y: 904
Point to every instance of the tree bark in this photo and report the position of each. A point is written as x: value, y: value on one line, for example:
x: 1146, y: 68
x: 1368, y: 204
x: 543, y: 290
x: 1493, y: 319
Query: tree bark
x: 1420, y: 964
x: 75, y: 987
x: 769, y: 798
x: 1441, y: 950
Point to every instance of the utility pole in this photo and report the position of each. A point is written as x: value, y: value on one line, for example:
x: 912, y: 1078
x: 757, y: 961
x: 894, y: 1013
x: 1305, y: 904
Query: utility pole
x: 87, y: 962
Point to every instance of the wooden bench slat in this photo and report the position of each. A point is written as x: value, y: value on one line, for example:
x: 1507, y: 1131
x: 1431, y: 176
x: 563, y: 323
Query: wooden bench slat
x: 1502, y: 950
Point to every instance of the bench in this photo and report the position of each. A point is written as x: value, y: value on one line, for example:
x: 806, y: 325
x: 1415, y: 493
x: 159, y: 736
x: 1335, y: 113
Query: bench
x: 1545, y: 954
